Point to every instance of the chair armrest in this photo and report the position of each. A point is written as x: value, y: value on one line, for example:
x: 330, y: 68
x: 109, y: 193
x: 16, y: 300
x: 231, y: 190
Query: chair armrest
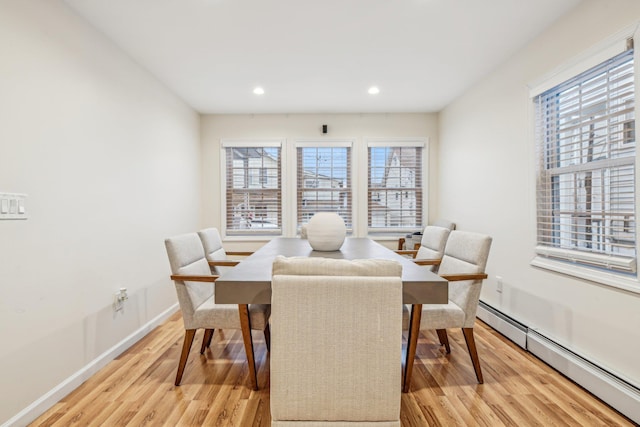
x: 223, y: 263
x: 459, y: 277
x: 407, y: 252
x: 416, y: 246
x: 238, y: 253
x: 427, y: 261
x: 187, y: 278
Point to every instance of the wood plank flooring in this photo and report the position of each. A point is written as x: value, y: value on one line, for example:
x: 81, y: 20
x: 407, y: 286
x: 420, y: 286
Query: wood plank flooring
x: 137, y: 388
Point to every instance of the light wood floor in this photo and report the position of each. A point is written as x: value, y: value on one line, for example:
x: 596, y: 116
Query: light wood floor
x: 137, y: 388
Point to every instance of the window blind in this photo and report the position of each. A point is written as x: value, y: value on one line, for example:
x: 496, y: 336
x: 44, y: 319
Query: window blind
x: 324, y: 182
x: 585, y: 132
x: 394, y: 188
x: 253, y: 190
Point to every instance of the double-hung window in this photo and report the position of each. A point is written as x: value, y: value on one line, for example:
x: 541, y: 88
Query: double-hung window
x: 395, y: 186
x: 253, y: 188
x: 585, y: 132
x: 324, y: 180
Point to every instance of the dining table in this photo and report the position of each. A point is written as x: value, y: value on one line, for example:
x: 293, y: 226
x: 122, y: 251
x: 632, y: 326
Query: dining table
x: 249, y: 282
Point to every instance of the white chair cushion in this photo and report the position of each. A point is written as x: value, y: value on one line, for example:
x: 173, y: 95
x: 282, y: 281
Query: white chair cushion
x: 197, y: 299
x: 466, y: 252
x: 445, y: 223
x: 434, y: 239
x: 336, y: 342
x: 183, y: 250
x: 441, y: 316
x: 213, y: 249
x: 334, y: 361
x: 225, y: 316
x: 305, y: 266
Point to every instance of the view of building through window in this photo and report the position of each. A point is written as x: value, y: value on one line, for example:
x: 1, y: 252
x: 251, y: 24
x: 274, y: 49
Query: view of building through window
x: 324, y: 182
x: 395, y: 188
x: 254, y: 190
x: 254, y: 195
x: 586, y: 183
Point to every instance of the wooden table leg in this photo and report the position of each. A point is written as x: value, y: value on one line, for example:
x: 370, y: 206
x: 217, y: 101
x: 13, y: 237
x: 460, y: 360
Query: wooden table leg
x: 245, y: 325
x: 412, y: 344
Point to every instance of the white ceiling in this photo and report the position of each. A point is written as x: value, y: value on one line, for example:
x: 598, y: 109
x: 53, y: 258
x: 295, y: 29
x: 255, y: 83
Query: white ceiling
x: 320, y: 56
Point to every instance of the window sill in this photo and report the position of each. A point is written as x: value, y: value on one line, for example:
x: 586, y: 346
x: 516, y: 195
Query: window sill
x: 254, y: 238
x: 619, y: 281
x: 385, y: 237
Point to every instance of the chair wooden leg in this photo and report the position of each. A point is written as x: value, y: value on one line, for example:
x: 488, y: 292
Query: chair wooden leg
x: 412, y: 344
x: 267, y: 337
x: 400, y: 243
x: 186, y: 346
x: 206, y: 340
x: 245, y: 326
x: 471, y: 345
x: 444, y: 339
x: 210, y: 338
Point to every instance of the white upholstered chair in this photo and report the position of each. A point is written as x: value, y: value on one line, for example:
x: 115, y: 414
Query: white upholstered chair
x: 195, y: 288
x: 431, y: 248
x: 215, y: 253
x: 441, y: 222
x: 336, y: 342
x: 463, y: 265
x: 444, y: 223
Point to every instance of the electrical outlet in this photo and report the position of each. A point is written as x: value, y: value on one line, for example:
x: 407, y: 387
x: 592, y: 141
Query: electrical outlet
x: 499, y: 284
x: 119, y: 298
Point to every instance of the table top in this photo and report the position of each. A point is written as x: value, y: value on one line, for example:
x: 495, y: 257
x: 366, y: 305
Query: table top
x: 250, y: 281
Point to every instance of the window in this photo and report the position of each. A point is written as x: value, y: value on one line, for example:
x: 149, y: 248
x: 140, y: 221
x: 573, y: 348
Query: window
x: 324, y: 180
x: 585, y: 133
x: 253, y: 199
x: 395, y: 191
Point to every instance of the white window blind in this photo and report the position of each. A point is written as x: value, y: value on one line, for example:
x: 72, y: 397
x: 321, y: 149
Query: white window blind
x: 394, y: 188
x: 253, y: 190
x: 324, y: 182
x: 585, y: 132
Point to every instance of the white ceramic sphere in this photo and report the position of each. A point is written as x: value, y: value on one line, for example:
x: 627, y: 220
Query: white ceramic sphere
x: 326, y: 231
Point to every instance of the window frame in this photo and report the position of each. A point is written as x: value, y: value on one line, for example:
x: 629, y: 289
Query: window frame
x: 393, y: 232
x: 324, y: 143
x: 288, y: 173
x: 598, y: 54
x: 251, y: 143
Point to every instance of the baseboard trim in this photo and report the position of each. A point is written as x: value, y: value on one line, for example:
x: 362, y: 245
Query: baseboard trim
x: 617, y: 392
x: 507, y: 326
x: 613, y: 390
x: 41, y: 405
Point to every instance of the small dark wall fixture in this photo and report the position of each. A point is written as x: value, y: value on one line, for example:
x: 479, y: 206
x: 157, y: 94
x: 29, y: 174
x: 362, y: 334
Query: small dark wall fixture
x: 325, y: 129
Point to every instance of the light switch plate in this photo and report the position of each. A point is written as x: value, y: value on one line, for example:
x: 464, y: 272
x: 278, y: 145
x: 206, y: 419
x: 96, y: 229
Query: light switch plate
x: 13, y: 206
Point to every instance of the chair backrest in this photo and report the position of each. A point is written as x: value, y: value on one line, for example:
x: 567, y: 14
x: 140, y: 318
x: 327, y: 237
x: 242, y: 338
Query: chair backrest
x: 465, y: 252
x: 186, y: 256
x: 444, y: 223
x: 213, y: 250
x: 433, y: 242
x: 336, y: 340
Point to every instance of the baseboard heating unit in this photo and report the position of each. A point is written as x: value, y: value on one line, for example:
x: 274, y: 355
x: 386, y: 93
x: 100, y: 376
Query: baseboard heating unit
x: 615, y: 391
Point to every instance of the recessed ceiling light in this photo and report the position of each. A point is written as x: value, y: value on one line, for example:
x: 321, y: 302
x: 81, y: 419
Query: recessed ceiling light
x: 258, y: 91
x: 373, y: 90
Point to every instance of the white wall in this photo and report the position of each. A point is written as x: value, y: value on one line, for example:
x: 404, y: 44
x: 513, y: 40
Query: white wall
x: 110, y: 161
x: 294, y: 126
x: 487, y: 184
